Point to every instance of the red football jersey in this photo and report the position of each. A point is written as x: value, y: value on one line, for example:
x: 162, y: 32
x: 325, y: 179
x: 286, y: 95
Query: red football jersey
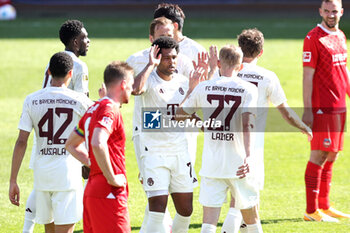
x: 104, y: 114
x: 326, y: 52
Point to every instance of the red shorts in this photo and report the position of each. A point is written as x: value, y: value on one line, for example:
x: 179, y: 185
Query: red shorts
x: 105, y: 207
x: 328, y: 132
x: 105, y: 215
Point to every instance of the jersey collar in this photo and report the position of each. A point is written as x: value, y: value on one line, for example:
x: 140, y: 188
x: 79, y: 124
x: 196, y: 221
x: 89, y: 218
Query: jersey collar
x: 326, y: 30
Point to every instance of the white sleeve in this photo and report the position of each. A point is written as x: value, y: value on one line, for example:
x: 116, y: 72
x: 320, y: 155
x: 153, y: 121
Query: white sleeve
x: 47, y: 77
x: 185, y: 65
x: 191, y: 104
x: 249, y: 103
x: 25, y: 122
x: 275, y: 91
x: 81, y: 82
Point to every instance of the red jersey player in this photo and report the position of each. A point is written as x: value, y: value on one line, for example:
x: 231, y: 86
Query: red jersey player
x: 102, y: 128
x: 325, y: 83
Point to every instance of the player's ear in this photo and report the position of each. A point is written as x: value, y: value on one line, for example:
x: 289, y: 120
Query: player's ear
x: 240, y: 67
x: 176, y: 26
x: 151, y: 39
x: 123, y: 84
x: 261, y: 52
x: 48, y: 71
x: 219, y: 64
x: 70, y: 73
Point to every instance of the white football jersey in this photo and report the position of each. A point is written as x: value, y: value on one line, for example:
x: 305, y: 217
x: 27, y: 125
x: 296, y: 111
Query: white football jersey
x: 138, y: 61
x: 161, y: 94
x: 269, y: 91
x: 223, y: 99
x: 80, y: 77
x: 53, y: 112
x: 191, y: 48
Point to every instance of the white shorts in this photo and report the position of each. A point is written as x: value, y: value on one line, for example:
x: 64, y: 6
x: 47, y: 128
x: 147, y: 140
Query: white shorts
x: 168, y: 172
x: 61, y: 207
x: 213, y: 192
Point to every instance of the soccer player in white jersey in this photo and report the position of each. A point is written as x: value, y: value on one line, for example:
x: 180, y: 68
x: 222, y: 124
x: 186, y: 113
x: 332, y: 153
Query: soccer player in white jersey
x: 52, y: 112
x: 143, y: 64
x: 75, y: 39
x: 251, y: 42
x: 165, y: 162
x: 227, y: 149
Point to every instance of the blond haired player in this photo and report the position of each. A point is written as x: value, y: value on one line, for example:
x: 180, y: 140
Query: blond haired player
x: 227, y: 149
x: 251, y: 41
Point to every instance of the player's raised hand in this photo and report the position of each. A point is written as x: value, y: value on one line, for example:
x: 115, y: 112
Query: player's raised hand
x: 118, y: 181
x: 154, y: 57
x: 196, y: 77
x: 243, y: 170
x: 203, y: 63
x: 14, y: 193
x: 102, y: 91
x: 213, y: 57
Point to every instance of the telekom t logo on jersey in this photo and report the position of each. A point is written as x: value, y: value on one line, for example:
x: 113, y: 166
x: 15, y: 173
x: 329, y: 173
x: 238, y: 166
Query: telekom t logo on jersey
x: 307, y: 56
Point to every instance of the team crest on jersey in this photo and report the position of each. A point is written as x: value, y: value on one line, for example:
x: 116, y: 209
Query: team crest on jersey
x: 327, y: 142
x: 307, y: 56
x: 106, y: 122
x: 150, y: 181
x: 152, y: 119
x: 182, y: 92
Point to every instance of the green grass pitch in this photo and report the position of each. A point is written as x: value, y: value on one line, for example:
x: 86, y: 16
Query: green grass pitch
x: 27, y: 44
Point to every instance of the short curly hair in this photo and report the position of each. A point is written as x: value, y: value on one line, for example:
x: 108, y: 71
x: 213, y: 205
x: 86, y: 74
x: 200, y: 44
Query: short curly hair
x: 70, y: 30
x: 165, y: 42
x: 251, y: 42
x: 60, y: 64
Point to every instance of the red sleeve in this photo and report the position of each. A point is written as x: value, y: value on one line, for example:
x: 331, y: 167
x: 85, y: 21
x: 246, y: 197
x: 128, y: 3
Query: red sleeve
x: 80, y: 129
x: 105, y: 118
x: 310, y: 53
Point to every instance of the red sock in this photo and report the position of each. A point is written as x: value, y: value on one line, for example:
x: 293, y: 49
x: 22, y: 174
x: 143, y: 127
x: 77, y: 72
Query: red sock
x: 326, y: 178
x: 312, y: 184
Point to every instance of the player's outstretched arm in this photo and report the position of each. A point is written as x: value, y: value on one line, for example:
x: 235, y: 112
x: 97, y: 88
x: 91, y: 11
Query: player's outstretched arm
x: 75, y: 146
x: 100, y: 148
x: 248, y: 122
x: 141, y: 78
x: 17, y: 157
x: 308, y: 74
x: 293, y: 119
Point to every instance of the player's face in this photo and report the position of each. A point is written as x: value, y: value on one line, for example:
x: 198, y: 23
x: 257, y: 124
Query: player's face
x: 331, y: 13
x: 83, y: 42
x: 128, y: 88
x: 163, y: 30
x: 167, y: 65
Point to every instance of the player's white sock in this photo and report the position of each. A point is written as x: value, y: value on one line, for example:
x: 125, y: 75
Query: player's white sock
x: 208, y: 228
x: 232, y: 221
x: 154, y: 223
x: 254, y: 228
x: 181, y: 224
x: 29, y: 216
x: 145, y: 219
x: 167, y: 221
